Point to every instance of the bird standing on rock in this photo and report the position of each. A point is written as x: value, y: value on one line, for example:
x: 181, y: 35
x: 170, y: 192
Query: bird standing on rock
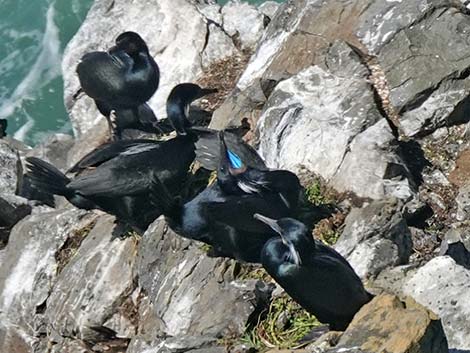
x: 222, y: 215
x: 313, y: 274
x: 121, y: 80
x: 118, y: 176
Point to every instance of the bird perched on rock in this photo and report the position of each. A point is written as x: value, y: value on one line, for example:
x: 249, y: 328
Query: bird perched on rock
x: 121, y: 80
x: 313, y: 274
x: 222, y: 215
x: 117, y: 177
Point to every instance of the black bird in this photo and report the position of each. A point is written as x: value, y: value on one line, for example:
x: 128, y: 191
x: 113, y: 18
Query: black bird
x: 3, y: 127
x: 222, y: 215
x: 179, y: 101
x: 118, y: 176
x: 121, y: 80
x: 313, y: 274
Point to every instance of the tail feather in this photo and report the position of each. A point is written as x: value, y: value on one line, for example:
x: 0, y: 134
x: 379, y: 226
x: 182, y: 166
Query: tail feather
x: 46, y: 177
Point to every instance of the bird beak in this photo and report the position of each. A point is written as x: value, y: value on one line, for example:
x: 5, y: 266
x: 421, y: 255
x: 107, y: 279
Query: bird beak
x: 271, y: 223
x: 275, y: 226
x: 206, y: 91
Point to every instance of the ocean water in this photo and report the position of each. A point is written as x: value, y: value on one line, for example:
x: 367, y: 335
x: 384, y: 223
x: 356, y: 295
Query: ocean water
x: 33, y: 35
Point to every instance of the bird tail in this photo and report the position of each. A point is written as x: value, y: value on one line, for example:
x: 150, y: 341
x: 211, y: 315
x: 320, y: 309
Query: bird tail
x: 46, y: 177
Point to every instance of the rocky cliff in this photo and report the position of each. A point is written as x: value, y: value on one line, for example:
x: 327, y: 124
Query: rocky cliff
x: 366, y: 100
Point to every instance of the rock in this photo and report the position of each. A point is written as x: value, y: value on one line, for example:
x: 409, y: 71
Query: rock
x: 94, y: 284
x: 54, y: 150
x: 173, y: 29
x: 387, y: 324
x: 11, y: 170
x: 12, y: 210
x: 460, y: 175
x: 443, y: 286
x: 421, y: 83
x: 463, y: 203
x: 328, y: 123
x: 14, y: 340
x: 456, y: 244
x: 180, y: 281
x: 375, y: 237
x: 269, y: 8
x: 244, y: 21
x: 29, y: 265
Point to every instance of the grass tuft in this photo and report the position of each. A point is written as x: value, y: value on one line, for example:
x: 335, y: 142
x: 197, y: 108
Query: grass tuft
x: 283, y: 326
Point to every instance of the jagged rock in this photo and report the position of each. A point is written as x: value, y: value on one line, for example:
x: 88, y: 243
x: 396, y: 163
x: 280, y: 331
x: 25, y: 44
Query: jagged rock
x: 328, y: 123
x: 15, y: 340
x: 29, y: 265
x: 387, y: 324
x: 460, y: 175
x: 54, y: 149
x: 417, y: 76
x: 11, y: 170
x: 375, y: 237
x: 181, y: 281
x: 94, y: 284
x: 70, y: 346
x: 443, y: 286
x: 269, y: 8
x: 175, y: 31
x: 463, y: 203
x: 244, y: 21
x: 456, y: 244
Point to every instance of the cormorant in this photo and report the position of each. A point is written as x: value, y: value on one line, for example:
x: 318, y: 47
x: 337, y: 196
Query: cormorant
x: 222, y: 215
x: 118, y: 176
x: 313, y: 274
x: 121, y: 80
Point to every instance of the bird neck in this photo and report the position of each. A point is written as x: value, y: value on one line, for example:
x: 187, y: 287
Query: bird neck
x: 177, y: 116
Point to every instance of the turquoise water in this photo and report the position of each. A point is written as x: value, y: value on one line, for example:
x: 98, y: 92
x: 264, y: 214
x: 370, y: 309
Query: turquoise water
x: 33, y: 35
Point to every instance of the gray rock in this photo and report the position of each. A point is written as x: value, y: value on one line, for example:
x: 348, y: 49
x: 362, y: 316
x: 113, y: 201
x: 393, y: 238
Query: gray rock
x: 181, y: 281
x: 327, y: 122
x: 463, y: 203
x: 424, y: 81
x: 443, y: 286
x: 29, y: 265
x: 92, y: 286
x: 54, y: 149
x: 269, y: 8
x: 375, y: 237
x: 15, y: 340
x: 243, y: 20
x: 11, y: 170
x: 175, y: 31
x: 456, y: 244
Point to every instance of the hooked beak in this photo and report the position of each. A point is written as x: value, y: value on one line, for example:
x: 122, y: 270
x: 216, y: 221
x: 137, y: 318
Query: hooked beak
x: 275, y: 226
x: 271, y: 223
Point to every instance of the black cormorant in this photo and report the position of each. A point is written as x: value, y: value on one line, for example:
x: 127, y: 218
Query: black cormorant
x: 222, y: 215
x: 313, y: 274
x: 122, y: 79
x: 117, y: 177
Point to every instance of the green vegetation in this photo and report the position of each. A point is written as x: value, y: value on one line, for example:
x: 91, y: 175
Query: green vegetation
x: 248, y: 271
x: 313, y: 191
x: 205, y: 247
x: 284, y: 324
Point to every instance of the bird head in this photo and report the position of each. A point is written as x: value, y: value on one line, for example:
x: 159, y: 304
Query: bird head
x: 293, y: 235
x: 131, y: 43
x: 179, y: 101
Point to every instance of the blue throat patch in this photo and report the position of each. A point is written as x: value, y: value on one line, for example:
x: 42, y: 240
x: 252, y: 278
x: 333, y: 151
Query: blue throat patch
x: 235, y: 161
